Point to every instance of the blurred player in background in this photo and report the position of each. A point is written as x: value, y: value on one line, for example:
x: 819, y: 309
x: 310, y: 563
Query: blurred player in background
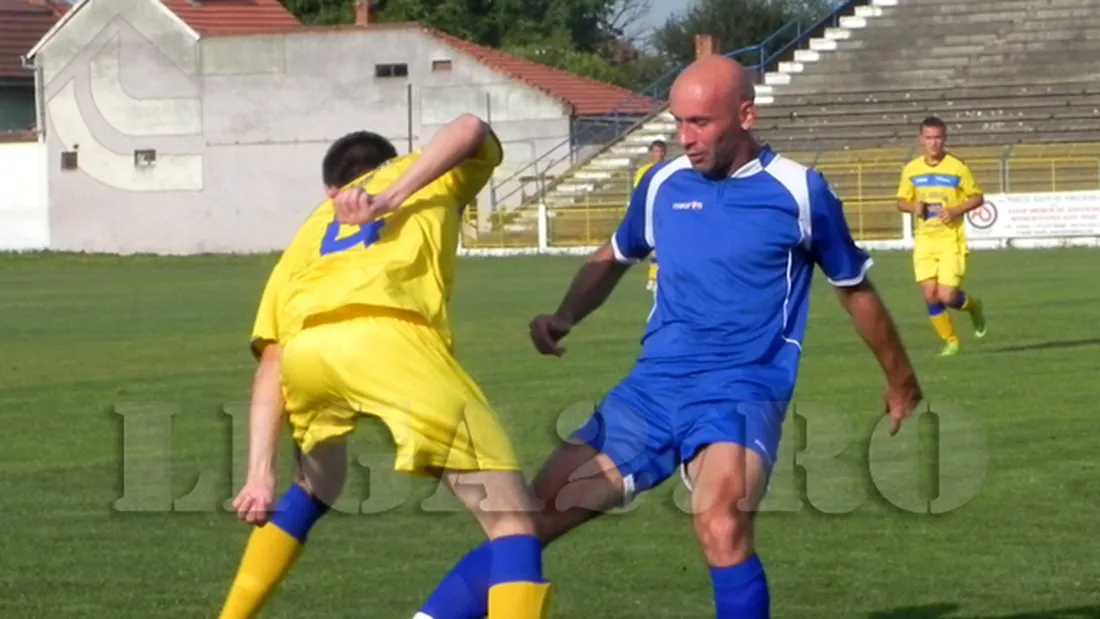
x: 938, y: 189
x: 354, y: 321
x: 740, y: 230
x: 658, y: 151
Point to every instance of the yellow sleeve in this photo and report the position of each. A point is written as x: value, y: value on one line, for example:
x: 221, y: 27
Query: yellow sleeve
x: 467, y: 179
x: 906, y: 191
x: 265, y: 328
x: 967, y: 184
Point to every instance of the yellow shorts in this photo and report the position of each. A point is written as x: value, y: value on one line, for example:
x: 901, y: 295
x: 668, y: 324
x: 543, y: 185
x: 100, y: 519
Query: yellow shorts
x: 393, y: 366
x: 942, y: 261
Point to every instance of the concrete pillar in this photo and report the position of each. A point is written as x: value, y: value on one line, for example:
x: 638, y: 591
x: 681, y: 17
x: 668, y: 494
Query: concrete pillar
x: 364, y: 13
x: 705, y: 45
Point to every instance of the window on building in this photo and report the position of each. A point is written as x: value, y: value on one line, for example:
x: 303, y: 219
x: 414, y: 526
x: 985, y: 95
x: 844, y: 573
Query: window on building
x: 391, y: 70
x: 441, y: 65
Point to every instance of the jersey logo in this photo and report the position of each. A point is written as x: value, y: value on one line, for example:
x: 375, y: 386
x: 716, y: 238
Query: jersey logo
x: 694, y: 205
x: 366, y: 235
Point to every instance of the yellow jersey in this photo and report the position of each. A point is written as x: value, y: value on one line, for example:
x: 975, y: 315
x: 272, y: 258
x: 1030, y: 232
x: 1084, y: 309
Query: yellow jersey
x: 640, y: 173
x: 403, y: 261
x: 944, y: 185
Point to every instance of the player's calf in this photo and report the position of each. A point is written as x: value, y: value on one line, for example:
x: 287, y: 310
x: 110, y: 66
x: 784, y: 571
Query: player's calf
x: 274, y: 547
x: 503, y: 505
x: 728, y: 483
x: 576, y: 484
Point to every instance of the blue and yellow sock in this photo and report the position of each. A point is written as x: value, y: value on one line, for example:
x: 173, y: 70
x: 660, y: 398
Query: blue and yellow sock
x: 941, y: 322
x: 966, y: 303
x: 962, y: 302
x: 517, y: 589
x: 741, y: 591
x: 464, y: 591
x: 271, y: 551
x: 973, y: 306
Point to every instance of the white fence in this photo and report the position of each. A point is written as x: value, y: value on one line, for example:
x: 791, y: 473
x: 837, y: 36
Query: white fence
x: 24, y: 210
x: 1019, y: 220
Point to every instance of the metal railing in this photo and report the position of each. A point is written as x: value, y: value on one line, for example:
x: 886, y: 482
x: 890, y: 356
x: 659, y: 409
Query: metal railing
x: 639, y: 109
x: 867, y: 188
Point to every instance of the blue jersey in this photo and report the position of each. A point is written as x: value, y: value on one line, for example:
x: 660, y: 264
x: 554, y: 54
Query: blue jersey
x: 737, y: 258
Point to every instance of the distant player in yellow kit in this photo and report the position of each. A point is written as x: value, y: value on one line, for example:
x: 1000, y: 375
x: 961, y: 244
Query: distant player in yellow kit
x: 938, y: 189
x: 658, y: 151
x: 353, y: 322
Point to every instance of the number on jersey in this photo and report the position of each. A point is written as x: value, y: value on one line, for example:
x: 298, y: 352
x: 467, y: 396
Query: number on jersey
x: 366, y: 236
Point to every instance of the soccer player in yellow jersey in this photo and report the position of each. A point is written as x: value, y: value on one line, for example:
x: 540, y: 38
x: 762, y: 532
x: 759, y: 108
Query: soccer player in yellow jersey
x: 658, y: 150
x: 938, y: 190
x: 354, y: 321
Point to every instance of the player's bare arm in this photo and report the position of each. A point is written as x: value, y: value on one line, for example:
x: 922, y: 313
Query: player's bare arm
x: 914, y: 208
x: 256, y: 498
x: 590, y: 288
x: 459, y: 140
x: 875, y: 325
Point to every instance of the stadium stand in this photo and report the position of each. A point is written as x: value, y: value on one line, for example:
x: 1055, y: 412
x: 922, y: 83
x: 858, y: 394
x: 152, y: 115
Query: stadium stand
x: 1015, y: 80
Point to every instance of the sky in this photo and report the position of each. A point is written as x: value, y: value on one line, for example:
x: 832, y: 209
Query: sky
x: 659, y: 11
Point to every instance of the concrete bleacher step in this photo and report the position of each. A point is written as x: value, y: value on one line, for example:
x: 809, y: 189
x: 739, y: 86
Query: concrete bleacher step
x: 1000, y: 86
x: 910, y: 9
x: 958, y: 117
x: 906, y: 54
x: 965, y: 37
x: 1019, y: 86
x: 938, y: 20
x: 780, y: 115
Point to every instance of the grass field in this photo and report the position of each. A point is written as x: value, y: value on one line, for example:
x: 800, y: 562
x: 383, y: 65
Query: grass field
x: 102, y: 518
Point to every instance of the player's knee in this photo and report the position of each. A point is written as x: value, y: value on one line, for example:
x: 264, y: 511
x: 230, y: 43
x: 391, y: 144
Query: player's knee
x: 725, y: 535
x: 508, y: 525
x: 324, y: 471
x: 946, y: 296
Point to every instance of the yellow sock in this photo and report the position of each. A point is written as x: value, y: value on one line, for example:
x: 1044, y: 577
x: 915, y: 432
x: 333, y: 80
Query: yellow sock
x: 941, y: 322
x: 519, y: 600
x: 267, y: 559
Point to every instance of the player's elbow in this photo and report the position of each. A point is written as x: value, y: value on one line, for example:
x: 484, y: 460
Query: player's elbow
x: 473, y: 126
x: 269, y: 354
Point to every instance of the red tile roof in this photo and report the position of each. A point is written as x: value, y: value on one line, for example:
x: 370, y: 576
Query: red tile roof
x: 584, y: 96
x: 587, y: 97
x: 22, y: 23
x: 233, y: 17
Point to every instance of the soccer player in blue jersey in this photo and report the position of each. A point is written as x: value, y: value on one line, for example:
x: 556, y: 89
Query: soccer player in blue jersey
x: 740, y: 230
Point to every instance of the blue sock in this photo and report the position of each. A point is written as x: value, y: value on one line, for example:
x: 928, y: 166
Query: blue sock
x: 464, y: 592
x: 297, y: 512
x: 516, y: 558
x: 960, y: 300
x: 935, y: 309
x: 741, y: 591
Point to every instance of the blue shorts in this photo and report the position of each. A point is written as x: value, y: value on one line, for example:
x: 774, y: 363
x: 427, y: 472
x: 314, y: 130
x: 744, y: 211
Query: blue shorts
x: 650, y: 426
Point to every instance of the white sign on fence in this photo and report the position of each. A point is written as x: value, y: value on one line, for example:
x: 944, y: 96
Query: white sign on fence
x: 1035, y: 215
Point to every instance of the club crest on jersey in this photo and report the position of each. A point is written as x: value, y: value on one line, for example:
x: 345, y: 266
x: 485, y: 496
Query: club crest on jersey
x: 694, y: 205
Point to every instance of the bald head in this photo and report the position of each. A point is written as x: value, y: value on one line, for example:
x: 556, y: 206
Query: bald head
x: 712, y: 100
x: 717, y: 77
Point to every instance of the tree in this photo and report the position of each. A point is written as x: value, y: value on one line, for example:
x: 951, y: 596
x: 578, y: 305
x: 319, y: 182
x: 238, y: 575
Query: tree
x: 322, y: 12
x: 736, y: 24
x: 580, y: 36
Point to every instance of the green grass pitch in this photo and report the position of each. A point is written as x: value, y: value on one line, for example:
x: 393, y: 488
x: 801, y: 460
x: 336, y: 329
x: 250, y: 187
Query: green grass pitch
x: 123, y: 383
